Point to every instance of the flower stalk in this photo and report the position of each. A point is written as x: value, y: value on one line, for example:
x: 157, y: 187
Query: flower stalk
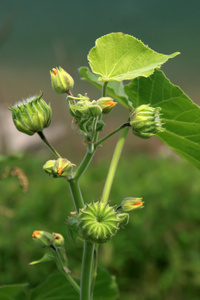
x: 113, y: 165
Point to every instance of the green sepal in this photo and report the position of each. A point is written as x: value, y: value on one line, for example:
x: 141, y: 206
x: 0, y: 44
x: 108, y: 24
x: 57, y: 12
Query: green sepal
x: 48, y: 256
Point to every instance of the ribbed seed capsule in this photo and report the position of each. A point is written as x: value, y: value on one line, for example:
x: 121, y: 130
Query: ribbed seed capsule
x: 98, y: 222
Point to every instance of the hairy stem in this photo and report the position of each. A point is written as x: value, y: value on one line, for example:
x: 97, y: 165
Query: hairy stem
x: 44, y: 139
x: 86, y: 270
x: 113, y: 165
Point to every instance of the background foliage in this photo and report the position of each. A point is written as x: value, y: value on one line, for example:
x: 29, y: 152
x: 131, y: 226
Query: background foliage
x: 155, y: 257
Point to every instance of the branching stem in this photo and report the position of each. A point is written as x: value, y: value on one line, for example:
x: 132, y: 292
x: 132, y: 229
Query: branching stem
x: 111, y: 134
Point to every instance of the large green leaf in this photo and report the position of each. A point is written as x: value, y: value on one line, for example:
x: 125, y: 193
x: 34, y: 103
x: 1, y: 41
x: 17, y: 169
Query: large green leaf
x: 105, y: 287
x: 10, y: 292
x: 56, y: 287
x: 115, y: 89
x: 181, y: 116
x: 118, y: 56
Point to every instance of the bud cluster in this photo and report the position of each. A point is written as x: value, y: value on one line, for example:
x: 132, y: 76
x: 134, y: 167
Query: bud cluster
x: 53, y: 243
x: 87, y: 113
x: 59, y: 168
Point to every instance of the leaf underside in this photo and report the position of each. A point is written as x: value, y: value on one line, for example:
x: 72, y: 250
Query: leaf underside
x: 118, y: 56
x: 115, y: 89
x: 181, y: 117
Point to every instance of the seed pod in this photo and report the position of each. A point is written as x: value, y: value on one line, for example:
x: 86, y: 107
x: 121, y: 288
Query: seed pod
x: 98, y: 222
x: 31, y: 115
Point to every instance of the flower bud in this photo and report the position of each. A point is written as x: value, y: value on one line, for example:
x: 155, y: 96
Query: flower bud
x: 130, y: 204
x: 145, y: 121
x: 85, y: 109
x: 98, y: 222
x: 107, y: 104
x: 61, y: 81
x: 31, y: 115
x: 94, y: 110
x: 62, y: 168
x: 48, y: 166
x: 43, y: 238
x: 59, y: 240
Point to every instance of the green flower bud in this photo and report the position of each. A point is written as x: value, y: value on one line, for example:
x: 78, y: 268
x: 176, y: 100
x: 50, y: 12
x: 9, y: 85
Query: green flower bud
x: 85, y: 109
x: 98, y: 222
x: 73, y: 231
x: 48, y: 166
x: 145, y: 121
x: 131, y: 204
x: 31, y: 115
x: 94, y: 110
x: 124, y: 219
x: 59, y: 240
x: 62, y: 168
x: 43, y: 238
x: 61, y: 81
x: 107, y: 104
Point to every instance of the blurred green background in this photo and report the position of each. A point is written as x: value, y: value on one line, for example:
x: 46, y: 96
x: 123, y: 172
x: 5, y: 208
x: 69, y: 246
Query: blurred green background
x: 157, y: 256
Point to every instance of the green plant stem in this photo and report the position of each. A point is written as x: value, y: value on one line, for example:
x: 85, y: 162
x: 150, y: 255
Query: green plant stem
x: 84, y: 164
x: 76, y: 194
x: 86, y: 270
x: 112, y: 133
x: 42, y: 136
x: 113, y: 165
x: 104, y: 89
x: 96, y: 250
x: 71, y: 281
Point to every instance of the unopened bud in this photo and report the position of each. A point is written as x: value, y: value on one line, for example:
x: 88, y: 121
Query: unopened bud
x: 130, y: 204
x: 43, y: 238
x: 85, y: 109
x: 59, y: 240
x: 31, y: 115
x: 62, y: 168
x: 48, y: 166
x: 107, y: 104
x: 61, y: 81
x: 145, y: 121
